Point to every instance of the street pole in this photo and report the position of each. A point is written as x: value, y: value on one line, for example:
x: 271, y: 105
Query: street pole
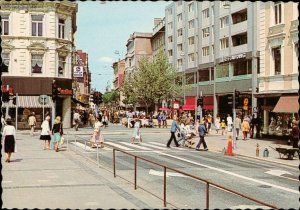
x: 7, y: 104
x: 201, y: 106
x: 43, y: 108
x: 234, y: 116
x: 196, y: 97
x: 17, y: 111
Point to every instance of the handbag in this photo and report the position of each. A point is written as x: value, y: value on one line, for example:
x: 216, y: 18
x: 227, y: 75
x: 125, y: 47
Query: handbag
x: 62, y: 140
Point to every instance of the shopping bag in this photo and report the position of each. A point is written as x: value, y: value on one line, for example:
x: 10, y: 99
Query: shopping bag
x: 62, y: 140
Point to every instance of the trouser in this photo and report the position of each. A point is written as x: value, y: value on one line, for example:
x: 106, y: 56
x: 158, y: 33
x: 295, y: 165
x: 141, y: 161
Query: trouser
x: 31, y: 129
x: 200, y: 142
x: 164, y: 123
x: 245, y: 134
x: 171, y: 138
x: 237, y: 132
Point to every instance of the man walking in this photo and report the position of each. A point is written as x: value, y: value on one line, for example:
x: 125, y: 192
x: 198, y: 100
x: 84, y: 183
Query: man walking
x: 76, y: 119
x: 238, y: 126
x: 174, y: 127
x: 32, y: 123
x: 202, y: 131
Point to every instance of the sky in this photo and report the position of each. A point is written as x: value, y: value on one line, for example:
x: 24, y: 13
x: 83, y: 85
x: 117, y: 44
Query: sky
x: 103, y: 29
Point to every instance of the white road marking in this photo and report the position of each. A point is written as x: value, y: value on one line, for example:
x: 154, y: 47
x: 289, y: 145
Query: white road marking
x: 136, y: 146
x: 230, y: 173
x: 6, y: 182
x: 118, y: 146
x: 157, y: 147
x: 177, y: 148
x: 43, y: 180
x: 81, y: 145
x: 279, y: 173
x: 161, y: 173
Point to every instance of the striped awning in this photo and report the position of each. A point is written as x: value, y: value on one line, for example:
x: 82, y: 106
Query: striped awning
x: 28, y: 102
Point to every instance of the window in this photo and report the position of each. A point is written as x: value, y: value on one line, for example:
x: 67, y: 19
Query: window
x: 224, y: 43
x: 239, y: 16
x: 191, y: 7
x: 277, y: 60
x: 170, y: 26
x: 170, y: 39
x: 170, y: 53
x: 203, y: 75
x: 191, y: 40
x: 205, y: 51
x: 61, y: 65
x: 191, y: 57
x: 61, y: 28
x: 205, y: 32
x: 242, y: 67
x: 239, y: 39
x: 36, y: 63
x: 224, y: 21
x: 5, y: 24
x: 37, y: 25
x: 189, y: 78
x: 278, y: 12
x: 179, y: 32
x: 179, y: 47
x: 205, y: 13
x: 179, y: 62
x: 179, y: 17
x: 5, y: 62
x: 191, y: 24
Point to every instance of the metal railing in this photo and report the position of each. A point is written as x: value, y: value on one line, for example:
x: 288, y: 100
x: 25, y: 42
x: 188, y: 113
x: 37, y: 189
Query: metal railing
x: 208, y: 183
x: 136, y: 157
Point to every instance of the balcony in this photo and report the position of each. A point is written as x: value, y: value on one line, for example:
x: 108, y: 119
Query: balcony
x: 276, y: 31
x: 294, y: 26
x: 239, y: 49
x: 239, y: 27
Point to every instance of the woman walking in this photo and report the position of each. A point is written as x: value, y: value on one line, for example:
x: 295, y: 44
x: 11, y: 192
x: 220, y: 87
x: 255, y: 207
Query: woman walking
x: 46, y: 133
x: 9, y: 139
x: 97, y: 135
x: 245, y: 128
x: 57, y: 132
x: 137, y: 131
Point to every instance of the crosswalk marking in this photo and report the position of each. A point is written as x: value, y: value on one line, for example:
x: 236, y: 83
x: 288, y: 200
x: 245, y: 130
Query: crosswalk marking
x: 157, y: 143
x: 81, y: 145
x: 157, y: 147
x: 136, y: 146
x: 118, y: 146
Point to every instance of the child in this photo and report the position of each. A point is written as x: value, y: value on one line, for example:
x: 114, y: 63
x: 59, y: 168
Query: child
x: 223, y: 126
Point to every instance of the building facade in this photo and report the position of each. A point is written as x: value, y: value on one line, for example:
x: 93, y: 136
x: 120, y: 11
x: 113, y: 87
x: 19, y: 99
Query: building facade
x: 158, y: 36
x: 37, y: 48
x: 119, y: 74
x: 216, y: 46
x: 278, y: 78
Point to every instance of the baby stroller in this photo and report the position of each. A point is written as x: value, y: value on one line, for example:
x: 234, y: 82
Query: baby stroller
x: 181, y: 135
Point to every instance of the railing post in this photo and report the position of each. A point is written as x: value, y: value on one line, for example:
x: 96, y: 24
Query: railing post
x: 207, y: 195
x: 75, y: 142
x: 85, y: 145
x: 97, y: 155
x: 114, y: 162
x: 165, y: 187
x: 67, y: 140
x: 135, y: 160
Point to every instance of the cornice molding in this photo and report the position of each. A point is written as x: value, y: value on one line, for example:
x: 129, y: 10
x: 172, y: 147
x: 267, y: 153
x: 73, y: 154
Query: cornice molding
x: 6, y: 46
x: 37, y: 47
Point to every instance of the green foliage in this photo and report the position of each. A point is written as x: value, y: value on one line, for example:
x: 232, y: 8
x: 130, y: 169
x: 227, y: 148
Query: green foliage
x: 111, y: 97
x: 152, y: 81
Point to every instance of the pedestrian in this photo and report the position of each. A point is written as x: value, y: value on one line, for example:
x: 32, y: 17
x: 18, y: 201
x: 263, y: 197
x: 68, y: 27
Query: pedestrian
x: 76, y: 120
x: 159, y: 119
x: 97, y: 135
x: 91, y: 119
x: 245, y: 128
x: 295, y: 134
x: 174, y: 127
x: 164, y: 120
x: 218, y: 124
x: 223, y: 126
x: 202, y: 131
x: 32, y: 123
x: 238, y: 124
x: 9, y: 139
x: 137, y: 131
x: 46, y: 132
x: 209, y: 120
x: 57, y: 132
x: 229, y: 123
x: 105, y: 119
x: 3, y: 122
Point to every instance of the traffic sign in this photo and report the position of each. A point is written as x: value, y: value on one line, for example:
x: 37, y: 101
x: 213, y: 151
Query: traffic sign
x: 43, y: 99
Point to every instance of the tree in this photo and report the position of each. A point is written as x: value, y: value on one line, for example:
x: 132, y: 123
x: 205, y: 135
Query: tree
x: 111, y: 98
x: 152, y: 81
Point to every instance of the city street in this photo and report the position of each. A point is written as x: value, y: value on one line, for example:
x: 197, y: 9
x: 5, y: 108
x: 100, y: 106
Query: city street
x: 254, y: 178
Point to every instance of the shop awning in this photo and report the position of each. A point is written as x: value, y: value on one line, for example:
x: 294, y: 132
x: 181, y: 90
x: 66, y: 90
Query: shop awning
x: 164, y: 109
x: 287, y: 104
x: 190, y: 103
x: 28, y: 102
x: 188, y: 107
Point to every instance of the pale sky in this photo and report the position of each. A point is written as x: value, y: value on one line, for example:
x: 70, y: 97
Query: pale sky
x: 103, y: 29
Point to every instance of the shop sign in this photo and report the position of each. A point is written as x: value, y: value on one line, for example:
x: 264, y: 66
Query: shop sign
x: 78, y: 71
x: 65, y: 91
x: 6, y: 88
x: 43, y: 99
x: 234, y: 57
x: 175, y: 105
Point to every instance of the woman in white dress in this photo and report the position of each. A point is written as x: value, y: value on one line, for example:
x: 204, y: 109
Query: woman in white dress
x: 46, y: 132
x: 137, y: 131
x: 97, y: 135
x: 9, y: 139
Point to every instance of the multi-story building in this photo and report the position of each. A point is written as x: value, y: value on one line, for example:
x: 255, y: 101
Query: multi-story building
x: 81, y: 80
x: 158, y: 36
x: 119, y: 74
x: 278, y: 77
x: 215, y: 44
x: 37, y: 45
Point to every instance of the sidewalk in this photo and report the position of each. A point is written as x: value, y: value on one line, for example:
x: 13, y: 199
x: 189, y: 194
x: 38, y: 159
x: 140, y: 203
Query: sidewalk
x: 38, y: 178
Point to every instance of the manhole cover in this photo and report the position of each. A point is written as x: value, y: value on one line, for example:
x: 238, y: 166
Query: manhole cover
x: 264, y: 186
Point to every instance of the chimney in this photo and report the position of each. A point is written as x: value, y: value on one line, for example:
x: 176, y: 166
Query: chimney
x: 157, y: 21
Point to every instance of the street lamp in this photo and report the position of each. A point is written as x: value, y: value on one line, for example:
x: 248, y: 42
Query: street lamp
x: 183, y: 78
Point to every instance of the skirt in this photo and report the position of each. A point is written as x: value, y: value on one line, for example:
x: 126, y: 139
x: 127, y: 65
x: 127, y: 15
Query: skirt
x: 56, y: 137
x: 9, y: 144
x: 45, y: 137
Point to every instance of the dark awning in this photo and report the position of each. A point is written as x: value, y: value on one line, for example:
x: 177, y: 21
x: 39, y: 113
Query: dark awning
x: 287, y: 104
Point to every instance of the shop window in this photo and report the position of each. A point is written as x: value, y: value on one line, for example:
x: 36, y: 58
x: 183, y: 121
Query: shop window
x: 239, y: 39
x: 179, y: 32
x: 222, y: 70
x: 37, y: 25
x: 5, y: 24
x: 61, y: 65
x: 242, y: 67
x: 277, y: 60
x: 61, y: 28
x: 239, y: 16
x: 36, y: 63
x: 5, y: 62
x: 203, y: 75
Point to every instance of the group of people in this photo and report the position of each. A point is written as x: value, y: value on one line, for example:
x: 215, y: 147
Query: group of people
x: 92, y: 118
